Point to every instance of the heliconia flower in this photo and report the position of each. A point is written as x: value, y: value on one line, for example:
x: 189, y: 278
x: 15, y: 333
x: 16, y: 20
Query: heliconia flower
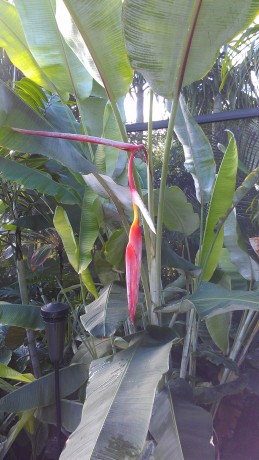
x: 134, y: 247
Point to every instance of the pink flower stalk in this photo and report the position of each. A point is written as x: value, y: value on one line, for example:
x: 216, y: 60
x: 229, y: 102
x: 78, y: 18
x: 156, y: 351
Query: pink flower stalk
x: 134, y: 246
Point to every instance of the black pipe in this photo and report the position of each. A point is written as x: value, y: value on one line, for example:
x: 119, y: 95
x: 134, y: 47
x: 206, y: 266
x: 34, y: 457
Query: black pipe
x: 228, y: 115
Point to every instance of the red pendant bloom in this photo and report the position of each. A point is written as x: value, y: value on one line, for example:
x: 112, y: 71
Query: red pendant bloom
x: 133, y: 264
x: 134, y: 247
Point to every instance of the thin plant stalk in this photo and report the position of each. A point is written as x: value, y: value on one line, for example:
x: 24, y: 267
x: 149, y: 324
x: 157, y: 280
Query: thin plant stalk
x: 238, y: 343
x: 186, y: 345
x: 248, y: 343
x: 20, y: 267
x: 90, y: 347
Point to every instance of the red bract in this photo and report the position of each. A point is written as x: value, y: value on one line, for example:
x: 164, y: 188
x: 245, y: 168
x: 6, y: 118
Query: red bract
x: 134, y: 247
x: 133, y: 264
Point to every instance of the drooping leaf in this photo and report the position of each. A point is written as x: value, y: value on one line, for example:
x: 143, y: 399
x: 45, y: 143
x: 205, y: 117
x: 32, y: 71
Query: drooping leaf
x: 121, y: 381
x: 27, y: 316
x: 41, y: 392
x: 95, y: 35
x: 198, y: 153
x: 65, y: 231
x: 157, y: 37
x: 38, y: 180
x: 178, y: 213
x: 211, y: 299
x: 104, y: 315
x: 221, y: 200
x: 181, y: 429
x: 122, y: 193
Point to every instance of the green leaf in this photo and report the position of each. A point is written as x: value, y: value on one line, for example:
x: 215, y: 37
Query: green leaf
x: 41, y: 392
x: 221, y: 200
x: 9, y: 373
x: 16, y: 113
x: 157, y: 35
x: 104, y: 269
x: 126, y: 387
x: 89, y: 227
x: 171, y: 259
x: 198, y: 153
x: 54, y: 56
x: 13, y: 40
x: 102, y: 347
x: 97, y: 39
x: 121, y: 193
x: 106, y: 158
x: 89, y: 282
x: 104, y: 315
x: 219, y: 327
x: 244, y: 264
x: 35, y: 180
x: 27, y: 316
x: 65, y: 231
x: 36, y: 222
x: 178, y: 213
x: 114, y: 249
x: 71, y: 414
x: 250, y: 181
x: 211, y: 299
x: 13, y: 433
x: 181, y: 430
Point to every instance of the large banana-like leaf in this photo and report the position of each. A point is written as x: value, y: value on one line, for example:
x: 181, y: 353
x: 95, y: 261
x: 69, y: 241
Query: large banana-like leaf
x: 211, y: 299
x: 182, y: 431
x: 16, y: 113
x: 13, y: 40
x: 198, y: 153
x: 41, y: 392
x: 58, y: 62
x: 95, y: 35
x: 27, y: 316
x: 221, y: 200
x: 129, y: 380
x: 105, y: 315
x: 33, y: 179
x: 157, y: 36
